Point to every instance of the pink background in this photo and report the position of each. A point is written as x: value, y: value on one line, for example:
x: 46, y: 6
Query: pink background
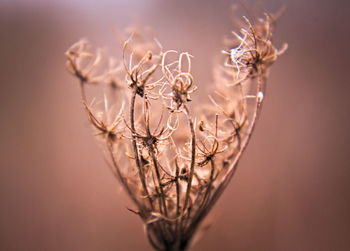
x: 292, y: 189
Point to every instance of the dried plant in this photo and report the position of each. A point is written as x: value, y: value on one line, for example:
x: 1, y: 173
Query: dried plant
x: 175, y: 161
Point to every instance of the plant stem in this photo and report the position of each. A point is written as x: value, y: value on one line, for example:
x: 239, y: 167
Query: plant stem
x: 136, y: 153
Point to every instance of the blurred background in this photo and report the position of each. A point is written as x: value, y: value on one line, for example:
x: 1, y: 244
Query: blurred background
x: 292, y: 189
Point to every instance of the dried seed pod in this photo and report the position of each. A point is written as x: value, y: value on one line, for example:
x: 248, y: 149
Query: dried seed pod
x: 173, y: 170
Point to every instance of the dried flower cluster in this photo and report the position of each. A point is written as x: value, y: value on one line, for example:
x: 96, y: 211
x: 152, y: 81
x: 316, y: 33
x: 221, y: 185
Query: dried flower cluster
x: 173, y: 160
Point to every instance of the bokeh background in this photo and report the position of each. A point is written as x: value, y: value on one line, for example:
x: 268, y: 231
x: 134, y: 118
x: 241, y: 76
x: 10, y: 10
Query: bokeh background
x: 292, y: 189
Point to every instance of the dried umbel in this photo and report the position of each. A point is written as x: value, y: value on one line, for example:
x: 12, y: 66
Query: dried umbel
x: 175, y: 160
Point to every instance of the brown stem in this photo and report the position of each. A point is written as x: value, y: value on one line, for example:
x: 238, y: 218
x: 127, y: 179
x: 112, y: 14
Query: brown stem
x: 177, y: 229
x: 82, y: 91
x: 136, y: 153
x: 193, y: 159
x: 156, y: 168
x: 119, y: 176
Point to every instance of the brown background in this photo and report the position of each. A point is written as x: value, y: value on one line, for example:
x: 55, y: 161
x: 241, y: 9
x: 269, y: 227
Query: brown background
x: 292, y: 188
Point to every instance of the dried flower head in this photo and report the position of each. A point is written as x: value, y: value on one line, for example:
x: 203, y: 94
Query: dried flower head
x: 173, y: 160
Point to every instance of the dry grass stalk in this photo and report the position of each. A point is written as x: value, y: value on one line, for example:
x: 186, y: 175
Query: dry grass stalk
x: 175, y: 161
